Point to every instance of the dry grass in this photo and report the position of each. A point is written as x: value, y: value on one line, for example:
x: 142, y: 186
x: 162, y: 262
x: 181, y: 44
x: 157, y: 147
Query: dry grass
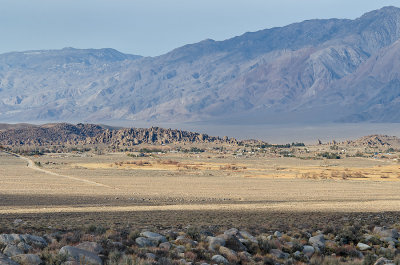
x: 206, y: 183
x: 256, y: 168
x: 167, y: 164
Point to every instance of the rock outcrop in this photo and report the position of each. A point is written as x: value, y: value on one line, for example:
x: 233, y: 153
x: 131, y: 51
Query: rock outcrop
x: 90, y: 134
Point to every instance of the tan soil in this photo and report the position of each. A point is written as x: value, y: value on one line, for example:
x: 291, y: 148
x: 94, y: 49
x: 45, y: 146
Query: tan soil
x: 212, y: 186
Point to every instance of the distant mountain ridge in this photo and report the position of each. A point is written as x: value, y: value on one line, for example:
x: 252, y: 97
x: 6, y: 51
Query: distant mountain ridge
x: 314, y: 71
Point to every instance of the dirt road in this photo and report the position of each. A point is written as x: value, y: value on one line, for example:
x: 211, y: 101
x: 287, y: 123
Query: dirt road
x: 33, y: 166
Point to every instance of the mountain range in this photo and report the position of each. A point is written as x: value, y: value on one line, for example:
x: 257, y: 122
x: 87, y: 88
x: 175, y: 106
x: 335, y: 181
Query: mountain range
x: 331, y: 70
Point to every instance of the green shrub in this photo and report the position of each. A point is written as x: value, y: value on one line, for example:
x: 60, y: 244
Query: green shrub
x: 347, y: 251
x: 329, y: 155
x: 196, y: 150
x: 52, y: 258
x: 114, y: 257
x: 266, y: 245
x: 350, y: 234
x: 133, y: 235
x: 369, y: 259
x: 148, y: 150
x: 359, y: 154
x: 164, y: 261
x: 94, y: 229
x: 194, y: 233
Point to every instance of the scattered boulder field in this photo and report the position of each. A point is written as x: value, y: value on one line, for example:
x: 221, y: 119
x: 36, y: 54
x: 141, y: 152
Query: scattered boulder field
x: 373, y: 245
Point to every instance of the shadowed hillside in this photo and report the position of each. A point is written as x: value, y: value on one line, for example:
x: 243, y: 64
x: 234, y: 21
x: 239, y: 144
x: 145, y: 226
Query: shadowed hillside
x: 313, y: 71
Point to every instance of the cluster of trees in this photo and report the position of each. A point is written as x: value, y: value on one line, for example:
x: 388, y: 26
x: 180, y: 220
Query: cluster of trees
x: 281, y: 145
x: 329, y: 155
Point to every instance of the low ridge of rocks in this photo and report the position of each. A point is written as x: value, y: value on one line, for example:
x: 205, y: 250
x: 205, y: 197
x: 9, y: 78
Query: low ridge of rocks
x: 376, y: 140
x: 91, y: 134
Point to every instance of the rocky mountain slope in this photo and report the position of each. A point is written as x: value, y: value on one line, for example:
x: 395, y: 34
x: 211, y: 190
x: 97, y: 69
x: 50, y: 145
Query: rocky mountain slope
x: 316, y: 70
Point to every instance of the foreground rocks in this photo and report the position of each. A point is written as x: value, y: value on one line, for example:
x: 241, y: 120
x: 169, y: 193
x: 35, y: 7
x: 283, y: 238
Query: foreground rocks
x: 347, y: 245
x: 78, y: 255
x: 14, y: 249
x: 4, y: 260
x: 30, y: 259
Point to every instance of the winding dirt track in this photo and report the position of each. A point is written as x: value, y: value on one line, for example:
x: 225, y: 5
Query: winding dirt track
x: 32, y: 165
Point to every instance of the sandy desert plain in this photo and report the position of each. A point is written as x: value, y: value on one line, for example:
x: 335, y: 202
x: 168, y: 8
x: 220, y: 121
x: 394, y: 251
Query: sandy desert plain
x: 229, y: 186
x: 196, y: 203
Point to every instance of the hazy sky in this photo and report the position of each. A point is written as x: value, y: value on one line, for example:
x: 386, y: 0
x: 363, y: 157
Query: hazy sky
x: 153, y: 27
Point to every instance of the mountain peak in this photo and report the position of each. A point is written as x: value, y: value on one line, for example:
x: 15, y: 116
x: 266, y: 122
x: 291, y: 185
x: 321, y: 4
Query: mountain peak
x: 389, y: 9
x: 384, y: 11
x: 309, y: 70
